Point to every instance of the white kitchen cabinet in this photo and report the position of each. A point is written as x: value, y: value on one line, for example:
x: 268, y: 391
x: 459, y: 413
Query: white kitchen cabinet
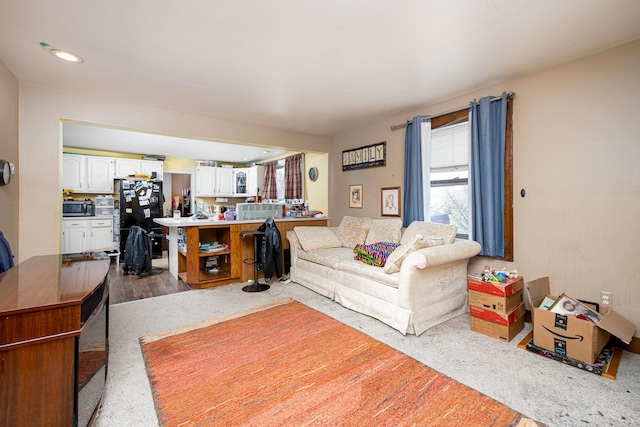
x: 100, y: 174
x: 214, y: 181
x: 150, y: 166
x: 130, y: 167
x: 86, y: 234
x: 87, y: 174
x: 127, y: 167
x: 75, y: 236
x: 74, y: 172
x: 205, y: 181
x: 255, y: 179
x: 225, y: 182
x: 240, y: 182
x: 101, y: 234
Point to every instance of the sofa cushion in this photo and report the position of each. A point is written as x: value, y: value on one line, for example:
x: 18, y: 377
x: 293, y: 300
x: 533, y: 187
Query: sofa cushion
x: 329, y: 257
x: 419, y: 241
x: 313, y: 238
x: 384, y: 230
x: 353, y: 230
x: 431, y: 229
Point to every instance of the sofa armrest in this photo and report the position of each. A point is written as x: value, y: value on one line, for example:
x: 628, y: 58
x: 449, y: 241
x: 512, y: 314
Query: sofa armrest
x: 429, y: 277
x: 437, y: 255
x: 294, y: 246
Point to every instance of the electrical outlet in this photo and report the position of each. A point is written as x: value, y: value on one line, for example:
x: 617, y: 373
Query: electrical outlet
x: 606, y: 298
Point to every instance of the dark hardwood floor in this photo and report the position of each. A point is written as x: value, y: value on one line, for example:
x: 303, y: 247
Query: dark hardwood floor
x: 130, y: 287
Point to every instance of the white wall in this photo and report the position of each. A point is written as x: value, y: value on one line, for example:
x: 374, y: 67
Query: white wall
x: 577, y: 154
x: 41, y: 150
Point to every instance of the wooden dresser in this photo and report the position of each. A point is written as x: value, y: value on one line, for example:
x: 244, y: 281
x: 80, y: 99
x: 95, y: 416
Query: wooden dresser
x: 53, y: 340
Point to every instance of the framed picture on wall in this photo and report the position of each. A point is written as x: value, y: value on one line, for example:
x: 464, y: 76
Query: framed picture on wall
x: 355, y: 196
x: 390, y: 201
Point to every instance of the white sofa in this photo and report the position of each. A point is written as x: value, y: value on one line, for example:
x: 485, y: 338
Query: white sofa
x: 429, y: 288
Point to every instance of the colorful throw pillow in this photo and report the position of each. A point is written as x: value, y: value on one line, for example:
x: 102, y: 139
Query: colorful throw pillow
x: 312, y: 238
x: 375, y: 254
x: 419, y: 241
x: 353, y: 231
x: 384, y: 230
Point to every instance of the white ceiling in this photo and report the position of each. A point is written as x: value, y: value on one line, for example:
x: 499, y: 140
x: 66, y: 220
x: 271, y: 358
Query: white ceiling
x: 319, y: 67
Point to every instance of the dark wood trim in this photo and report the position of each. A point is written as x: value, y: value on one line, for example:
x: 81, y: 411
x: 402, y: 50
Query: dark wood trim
x: 450, y: 118
x: 508, y: 184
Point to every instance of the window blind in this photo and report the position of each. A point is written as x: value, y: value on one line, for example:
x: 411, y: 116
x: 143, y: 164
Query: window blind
x: 450, y: 147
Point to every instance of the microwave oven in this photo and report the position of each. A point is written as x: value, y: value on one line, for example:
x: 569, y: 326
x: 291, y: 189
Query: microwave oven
x: 77, y: 208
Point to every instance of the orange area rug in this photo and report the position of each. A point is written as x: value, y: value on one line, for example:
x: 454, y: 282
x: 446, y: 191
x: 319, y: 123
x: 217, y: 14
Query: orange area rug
x: 286, y: 364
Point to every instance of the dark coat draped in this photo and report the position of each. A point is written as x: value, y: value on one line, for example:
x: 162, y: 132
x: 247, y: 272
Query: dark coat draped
x: 137, y: 257
x: 271, y: 250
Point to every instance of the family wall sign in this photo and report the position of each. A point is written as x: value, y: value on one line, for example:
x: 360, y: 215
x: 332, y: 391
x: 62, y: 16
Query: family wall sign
x: 365, y: 157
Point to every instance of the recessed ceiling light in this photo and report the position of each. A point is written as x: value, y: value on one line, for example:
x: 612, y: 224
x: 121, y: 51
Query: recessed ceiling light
x: 62, y: 54
x: 67, y: 56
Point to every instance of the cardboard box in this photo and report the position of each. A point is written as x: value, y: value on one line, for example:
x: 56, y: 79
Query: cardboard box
x: 570, y: 336
x: 505, y: 289
x: 504, y: 319
x: 494, y: 302
x: 534, y: 293
x: 495, y: 330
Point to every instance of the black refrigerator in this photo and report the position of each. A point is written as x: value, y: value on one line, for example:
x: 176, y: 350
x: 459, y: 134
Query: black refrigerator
x: 140, y: 201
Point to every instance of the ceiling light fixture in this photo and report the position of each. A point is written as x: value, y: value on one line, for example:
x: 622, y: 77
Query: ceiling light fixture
x: 62, y: 54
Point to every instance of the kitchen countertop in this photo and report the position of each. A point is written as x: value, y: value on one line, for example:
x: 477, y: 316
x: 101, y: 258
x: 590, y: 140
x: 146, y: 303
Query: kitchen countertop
x: 190, y: 222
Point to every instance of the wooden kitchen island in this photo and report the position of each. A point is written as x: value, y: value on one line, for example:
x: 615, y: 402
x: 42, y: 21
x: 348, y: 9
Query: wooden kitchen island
x: 187, y: 263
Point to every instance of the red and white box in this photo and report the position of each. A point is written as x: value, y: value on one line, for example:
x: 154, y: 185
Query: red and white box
x: 504, y: 289
x: 493, y: 316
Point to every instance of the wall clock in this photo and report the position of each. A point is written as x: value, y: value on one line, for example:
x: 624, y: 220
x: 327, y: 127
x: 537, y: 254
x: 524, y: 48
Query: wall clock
x: 313, y: 174
x: 5, y: 172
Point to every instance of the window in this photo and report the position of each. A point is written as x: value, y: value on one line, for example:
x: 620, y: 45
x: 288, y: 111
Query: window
x: 457, y: 177
x: 280, y: 180
x: 449, y: 176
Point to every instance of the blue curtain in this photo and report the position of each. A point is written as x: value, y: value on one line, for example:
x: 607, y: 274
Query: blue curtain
x: 413, y: 195
x: 488, y: 128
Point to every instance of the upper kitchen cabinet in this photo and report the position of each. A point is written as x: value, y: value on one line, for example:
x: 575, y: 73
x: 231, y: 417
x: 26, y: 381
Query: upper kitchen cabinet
x: 131, y: 167
x: 100, y: 175
x: 240, y: 182
x: 205, y: 181
x: 215, y: 181
x: 127, y: 167
x: 255, y: 178
x: 149, y: 167
x: 87, y: 174
x: 225, y: 181
x: 74, y: 172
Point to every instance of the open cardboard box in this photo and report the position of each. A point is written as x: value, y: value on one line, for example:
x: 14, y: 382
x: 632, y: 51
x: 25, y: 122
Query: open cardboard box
x: 568, y: 335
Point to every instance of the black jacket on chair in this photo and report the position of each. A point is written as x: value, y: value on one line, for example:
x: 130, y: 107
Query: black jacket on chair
x: 271, y: 250
x: 137, y: 257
